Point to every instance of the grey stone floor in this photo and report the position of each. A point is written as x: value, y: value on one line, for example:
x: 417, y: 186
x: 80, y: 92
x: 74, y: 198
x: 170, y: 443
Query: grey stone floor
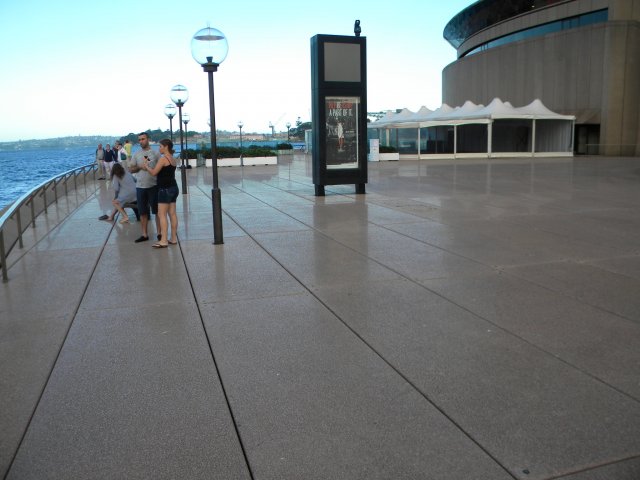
x: 462, y: 320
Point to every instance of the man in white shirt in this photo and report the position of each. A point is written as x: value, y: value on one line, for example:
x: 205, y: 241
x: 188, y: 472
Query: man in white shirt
x: 146, y: 188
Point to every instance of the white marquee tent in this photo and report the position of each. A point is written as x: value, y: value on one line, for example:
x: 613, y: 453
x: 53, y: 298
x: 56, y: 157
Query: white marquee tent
x: 471, y: 130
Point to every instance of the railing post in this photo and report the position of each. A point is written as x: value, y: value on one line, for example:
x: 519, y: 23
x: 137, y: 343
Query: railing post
x: 33, y: 212
x: 44, y: 197
x: 19, y: 222
x: 30, y: 198
x: 3, y: 258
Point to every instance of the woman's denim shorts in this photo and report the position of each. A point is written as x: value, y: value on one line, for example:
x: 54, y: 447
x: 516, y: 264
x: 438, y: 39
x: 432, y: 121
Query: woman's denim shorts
x: 168, y: 194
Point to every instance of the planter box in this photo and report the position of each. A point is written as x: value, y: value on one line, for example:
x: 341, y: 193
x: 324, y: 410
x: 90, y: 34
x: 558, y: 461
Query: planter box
x: 247, y: 161
x: 259, y: 161
x: 285, y: 152
x: 225, y: 162
x: 194, y: 162
x: 384, y: 157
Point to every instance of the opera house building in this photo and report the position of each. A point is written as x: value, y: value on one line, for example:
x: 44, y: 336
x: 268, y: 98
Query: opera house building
x: 579, y: 58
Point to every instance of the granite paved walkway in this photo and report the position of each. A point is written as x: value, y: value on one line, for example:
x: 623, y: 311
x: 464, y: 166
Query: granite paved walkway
x: 462, y: 320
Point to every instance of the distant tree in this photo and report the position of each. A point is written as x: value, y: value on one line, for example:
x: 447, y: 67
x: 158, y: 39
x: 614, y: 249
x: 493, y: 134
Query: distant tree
x: 154, y: 135
x: 298, y: 132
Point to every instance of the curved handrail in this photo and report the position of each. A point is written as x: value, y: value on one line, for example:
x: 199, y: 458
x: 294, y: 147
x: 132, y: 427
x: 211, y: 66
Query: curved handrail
x: 29, y: 199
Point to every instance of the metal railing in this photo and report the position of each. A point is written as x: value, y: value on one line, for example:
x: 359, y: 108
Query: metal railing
x: 24, y: 211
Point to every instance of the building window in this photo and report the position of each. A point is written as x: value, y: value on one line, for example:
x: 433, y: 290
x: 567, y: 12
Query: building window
x: 598, y: 16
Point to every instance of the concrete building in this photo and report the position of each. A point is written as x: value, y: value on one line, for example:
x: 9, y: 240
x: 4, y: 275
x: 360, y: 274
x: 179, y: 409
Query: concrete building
x: 580, y: 57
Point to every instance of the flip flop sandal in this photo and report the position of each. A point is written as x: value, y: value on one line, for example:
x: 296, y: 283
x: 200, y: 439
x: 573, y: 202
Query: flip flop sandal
x: 159, y: 245
x: 103, y: 217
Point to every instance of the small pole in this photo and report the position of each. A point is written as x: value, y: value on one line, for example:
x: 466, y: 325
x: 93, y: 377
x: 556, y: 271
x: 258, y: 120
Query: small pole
x: 3, y: 258
x: 19, y: 225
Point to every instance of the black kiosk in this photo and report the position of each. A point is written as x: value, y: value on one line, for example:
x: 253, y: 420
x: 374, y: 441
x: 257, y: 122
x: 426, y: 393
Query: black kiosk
x: 339, y: 111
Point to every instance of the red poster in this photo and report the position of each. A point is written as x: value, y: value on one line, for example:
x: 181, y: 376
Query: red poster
x: 342, y: 132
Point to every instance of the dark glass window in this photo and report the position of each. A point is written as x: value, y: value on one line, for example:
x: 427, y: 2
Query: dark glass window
x: 539, y: 30
x: 484, y: 13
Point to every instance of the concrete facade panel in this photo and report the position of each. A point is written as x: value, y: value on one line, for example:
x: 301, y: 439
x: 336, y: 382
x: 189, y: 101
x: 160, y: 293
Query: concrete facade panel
x: 599, y: 4
x: 625, y: 10
x: 596, y: 72
x: 620, y: 90
x: 551, y: 68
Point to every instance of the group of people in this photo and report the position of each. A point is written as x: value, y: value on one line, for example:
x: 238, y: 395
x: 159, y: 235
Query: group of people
x: 107, y: 157
x: 148, y: 178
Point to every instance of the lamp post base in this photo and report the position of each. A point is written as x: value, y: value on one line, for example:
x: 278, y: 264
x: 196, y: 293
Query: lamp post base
x: 183, y: 174
x: 216, y: 203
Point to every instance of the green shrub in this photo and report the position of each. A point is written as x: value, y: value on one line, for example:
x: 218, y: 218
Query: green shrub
x: 191, y: 153
x: 388, y: 149
x: 234, y: 152
x: 284, y: 146
x: 256, y: 151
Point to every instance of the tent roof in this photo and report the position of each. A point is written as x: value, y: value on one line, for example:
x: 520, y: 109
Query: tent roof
x: 469, y: 112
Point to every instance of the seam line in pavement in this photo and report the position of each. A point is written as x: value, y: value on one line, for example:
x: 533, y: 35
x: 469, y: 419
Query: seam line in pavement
x: 566, y: 475
x: 64, y: 340
x: 475, y: 314
x: 215, y: 363
x: 371, y: 348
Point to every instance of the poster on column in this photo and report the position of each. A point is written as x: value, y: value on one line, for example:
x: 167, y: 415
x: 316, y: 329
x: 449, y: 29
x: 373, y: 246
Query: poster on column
x: 342, y: 132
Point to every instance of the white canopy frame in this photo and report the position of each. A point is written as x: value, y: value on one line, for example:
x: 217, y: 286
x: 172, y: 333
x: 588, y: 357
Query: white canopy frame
x: 495, y: 130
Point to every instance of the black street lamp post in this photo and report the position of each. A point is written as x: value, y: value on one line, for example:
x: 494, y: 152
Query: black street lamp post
x: 170, y: 112
x: 209, y: 48
x: 185, y: 119
x: 288, y: 130
x: 179, y: 96
x: 240, y: 125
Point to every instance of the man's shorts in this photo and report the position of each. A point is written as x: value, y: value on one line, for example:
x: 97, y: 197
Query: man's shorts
x: 147, y: 197
x: 168, y: 194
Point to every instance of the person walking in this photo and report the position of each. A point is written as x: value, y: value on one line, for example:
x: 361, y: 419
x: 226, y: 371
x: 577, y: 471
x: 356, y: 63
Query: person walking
x: 165, y: 173
x: 121, y: 154
x: 109, y: 158
x: 146, y: 186
x: 100, y: 161
x: 125, y: 191
x: 127, y: 147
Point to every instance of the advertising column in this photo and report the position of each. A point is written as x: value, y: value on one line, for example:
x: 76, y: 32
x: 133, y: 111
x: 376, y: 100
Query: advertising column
x: 339, y: 111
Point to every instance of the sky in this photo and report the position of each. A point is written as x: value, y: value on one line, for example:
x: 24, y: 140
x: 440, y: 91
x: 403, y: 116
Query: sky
x: 107, y: 68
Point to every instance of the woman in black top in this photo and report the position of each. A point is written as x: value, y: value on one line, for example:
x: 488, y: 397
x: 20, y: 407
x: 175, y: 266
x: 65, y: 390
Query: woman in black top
x: 165, y: 172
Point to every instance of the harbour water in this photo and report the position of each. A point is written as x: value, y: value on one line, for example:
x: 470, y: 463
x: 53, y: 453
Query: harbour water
x: 22, y: 170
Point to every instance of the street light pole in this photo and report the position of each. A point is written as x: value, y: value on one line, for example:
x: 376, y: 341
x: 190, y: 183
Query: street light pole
x: 209, y: 48
x: 185, y: 119
x: 240, y: 125
x: 288, y: 130
x: 170, y: 112
x: 179, y: 96
x: 273, y: 130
